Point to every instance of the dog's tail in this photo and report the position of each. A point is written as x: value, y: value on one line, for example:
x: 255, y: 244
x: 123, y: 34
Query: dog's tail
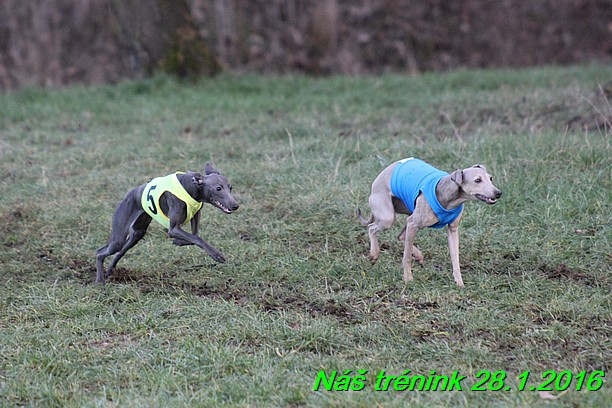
x: 362, y: 220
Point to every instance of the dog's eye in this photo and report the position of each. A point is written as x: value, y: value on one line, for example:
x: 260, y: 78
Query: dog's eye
x: 491, y: 178
x: 219, y: 188
x: 230, y: 187
x: 478, y: 180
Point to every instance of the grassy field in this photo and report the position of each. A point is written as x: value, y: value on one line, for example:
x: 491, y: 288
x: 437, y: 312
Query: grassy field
x: 298, y: 296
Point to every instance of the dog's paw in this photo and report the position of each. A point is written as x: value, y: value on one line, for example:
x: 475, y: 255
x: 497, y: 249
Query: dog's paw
x: 218, y: 257
x: 420, y: 260
x: 417, y: 255
x: 407, y: 277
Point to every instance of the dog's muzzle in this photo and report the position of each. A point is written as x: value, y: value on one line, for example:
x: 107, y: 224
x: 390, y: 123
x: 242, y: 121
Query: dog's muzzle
x: 487, y: 199
x: 226, y: 209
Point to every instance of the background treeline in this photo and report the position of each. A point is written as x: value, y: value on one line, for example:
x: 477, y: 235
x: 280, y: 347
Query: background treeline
x: 95, y: 41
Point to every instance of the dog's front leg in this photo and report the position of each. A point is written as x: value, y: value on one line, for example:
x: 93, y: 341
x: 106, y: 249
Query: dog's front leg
x: 195, y: 222
x: 181, y: 236
x: 177, y: 214
x: 416, y: 253
x: 411, y: 230
x: 453, y: 246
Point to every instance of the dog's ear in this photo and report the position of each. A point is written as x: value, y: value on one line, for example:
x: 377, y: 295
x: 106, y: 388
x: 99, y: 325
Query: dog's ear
x: 209, y: 169
x: 197, y: 179
x: 457, y: 176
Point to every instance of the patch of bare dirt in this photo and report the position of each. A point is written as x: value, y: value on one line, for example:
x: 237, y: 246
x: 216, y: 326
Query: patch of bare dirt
x: 562, y: 272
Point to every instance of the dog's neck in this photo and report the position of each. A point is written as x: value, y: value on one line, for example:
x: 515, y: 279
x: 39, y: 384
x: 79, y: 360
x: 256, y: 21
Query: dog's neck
x: 192, y: 190
x: 449, y: 194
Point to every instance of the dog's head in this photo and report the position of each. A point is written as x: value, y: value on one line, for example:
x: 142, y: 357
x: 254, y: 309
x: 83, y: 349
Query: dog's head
x: 215, y: 189
x: 477, y: 184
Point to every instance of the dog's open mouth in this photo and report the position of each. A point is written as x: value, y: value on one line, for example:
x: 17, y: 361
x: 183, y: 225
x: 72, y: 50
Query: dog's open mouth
x: 223, y: 208
x: 486, y: 199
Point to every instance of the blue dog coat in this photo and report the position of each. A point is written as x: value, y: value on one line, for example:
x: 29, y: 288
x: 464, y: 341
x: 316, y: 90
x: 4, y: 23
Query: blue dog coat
x: 413, y: 176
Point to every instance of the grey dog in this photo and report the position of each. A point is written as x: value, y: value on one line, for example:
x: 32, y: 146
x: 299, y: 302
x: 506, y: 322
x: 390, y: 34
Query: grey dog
x: 172, y: 202
x: 430, y: 185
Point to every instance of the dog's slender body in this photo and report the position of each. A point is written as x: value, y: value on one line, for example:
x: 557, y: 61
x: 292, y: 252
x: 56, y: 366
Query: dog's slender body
x: 451, y: 191
x: 130, y: 220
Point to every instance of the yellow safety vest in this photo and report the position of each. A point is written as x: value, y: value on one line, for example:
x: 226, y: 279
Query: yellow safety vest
x: 158, y: 186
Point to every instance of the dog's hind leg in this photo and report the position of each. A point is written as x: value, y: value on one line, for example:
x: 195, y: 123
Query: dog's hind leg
x: 383, y: 216
x: 133, y: 238
x: 119, y: 234
x: 137, y: 231
x: 107, y: 250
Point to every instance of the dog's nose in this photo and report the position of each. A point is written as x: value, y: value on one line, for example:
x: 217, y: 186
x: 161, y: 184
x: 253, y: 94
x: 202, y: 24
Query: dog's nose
x: 498, y: 194
x: 235, y: 207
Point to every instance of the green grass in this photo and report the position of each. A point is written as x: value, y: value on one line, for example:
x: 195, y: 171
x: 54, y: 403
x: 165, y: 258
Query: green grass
x: 298, y: 295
